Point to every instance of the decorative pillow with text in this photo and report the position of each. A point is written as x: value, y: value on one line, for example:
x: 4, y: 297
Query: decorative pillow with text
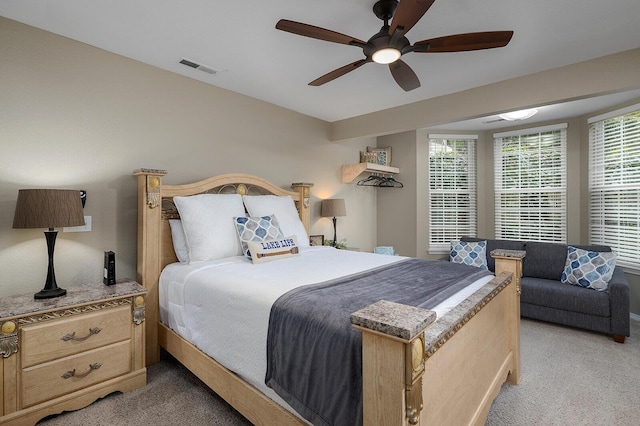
x: 268, y: 250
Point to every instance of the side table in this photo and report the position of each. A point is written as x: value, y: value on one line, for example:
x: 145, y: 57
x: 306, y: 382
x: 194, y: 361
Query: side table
x: 63, y: 353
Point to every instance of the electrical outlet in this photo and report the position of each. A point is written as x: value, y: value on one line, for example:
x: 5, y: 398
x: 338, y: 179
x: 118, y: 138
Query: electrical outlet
x: 85, y: 228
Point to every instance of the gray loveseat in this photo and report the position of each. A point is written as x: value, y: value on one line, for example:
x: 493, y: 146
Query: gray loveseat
x: 545, y: 298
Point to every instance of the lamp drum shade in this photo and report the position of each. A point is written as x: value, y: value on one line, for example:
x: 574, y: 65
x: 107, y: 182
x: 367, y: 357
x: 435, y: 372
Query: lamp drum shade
x: 48, y: 208
x: 333, y: 207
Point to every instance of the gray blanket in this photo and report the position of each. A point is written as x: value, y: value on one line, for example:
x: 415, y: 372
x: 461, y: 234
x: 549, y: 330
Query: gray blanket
x: 314, y: 356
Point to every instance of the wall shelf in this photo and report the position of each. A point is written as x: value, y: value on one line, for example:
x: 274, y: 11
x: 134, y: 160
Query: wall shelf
x: 351, y: 171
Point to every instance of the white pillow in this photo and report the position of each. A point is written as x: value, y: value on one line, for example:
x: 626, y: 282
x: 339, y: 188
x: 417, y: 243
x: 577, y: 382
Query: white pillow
x: 207, y: 221
x: 284, y: 208
x: 268, y: 250
x: 179, y: 241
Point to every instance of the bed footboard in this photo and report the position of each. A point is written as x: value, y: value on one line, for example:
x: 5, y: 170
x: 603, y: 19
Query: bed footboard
x: 464, y: 358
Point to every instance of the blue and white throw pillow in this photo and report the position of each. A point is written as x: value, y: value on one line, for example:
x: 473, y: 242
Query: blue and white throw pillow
x: 469, y: 253
x: 589, y: 269
x: 256, y: 229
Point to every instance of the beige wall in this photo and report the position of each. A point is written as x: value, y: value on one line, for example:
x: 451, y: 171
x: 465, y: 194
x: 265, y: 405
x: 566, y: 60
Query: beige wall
x: 74, y: 116
x: 398, y: 206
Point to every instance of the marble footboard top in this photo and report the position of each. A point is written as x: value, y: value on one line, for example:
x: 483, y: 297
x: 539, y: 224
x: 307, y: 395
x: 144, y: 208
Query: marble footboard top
x: 405, y: 322
x: 394, y: 319
x: 450, y: 323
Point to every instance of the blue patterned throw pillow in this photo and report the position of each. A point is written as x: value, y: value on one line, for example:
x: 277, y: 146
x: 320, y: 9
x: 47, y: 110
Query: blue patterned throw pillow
x: 256, y: 229
x: 469, y: 253
x: 589, y: 269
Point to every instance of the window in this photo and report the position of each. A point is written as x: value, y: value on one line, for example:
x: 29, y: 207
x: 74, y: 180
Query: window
x: 614, y: 183
x: 530, y: 184
x: 452, y: 189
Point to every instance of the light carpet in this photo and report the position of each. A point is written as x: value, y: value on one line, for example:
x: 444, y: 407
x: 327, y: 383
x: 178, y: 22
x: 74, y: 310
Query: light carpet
x: 569, y: 377
x: 572, y: 377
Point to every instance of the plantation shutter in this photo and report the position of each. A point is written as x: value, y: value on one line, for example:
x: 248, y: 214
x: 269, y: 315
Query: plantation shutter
x: 452, y: 189
x: 530, y: 184
x: 614, y: 183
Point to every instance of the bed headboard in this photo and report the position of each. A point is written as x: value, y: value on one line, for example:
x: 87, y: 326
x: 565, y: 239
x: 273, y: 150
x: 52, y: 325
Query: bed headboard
x: 155, y: 208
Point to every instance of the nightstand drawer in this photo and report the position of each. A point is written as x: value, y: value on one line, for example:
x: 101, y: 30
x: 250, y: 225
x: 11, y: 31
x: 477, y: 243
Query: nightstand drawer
x: 66, y: 375
x: 55, y: 339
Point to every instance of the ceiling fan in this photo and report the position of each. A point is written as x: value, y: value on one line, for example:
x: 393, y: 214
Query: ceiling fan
x: 390, y: 43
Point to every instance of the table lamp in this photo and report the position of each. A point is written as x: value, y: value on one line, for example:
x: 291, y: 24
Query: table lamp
x: 333, y: 208
x: 48, y: 208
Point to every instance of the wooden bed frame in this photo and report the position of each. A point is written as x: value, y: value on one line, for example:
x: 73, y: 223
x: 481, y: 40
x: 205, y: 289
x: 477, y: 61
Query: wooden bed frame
x: 464, y: 357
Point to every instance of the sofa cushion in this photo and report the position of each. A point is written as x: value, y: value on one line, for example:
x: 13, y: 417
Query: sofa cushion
x: 593, y: 247
x: 496, y: 244
x: 553, y: 294
x: 544, y: 260
x: 573, y: 319
x: 547, y: 260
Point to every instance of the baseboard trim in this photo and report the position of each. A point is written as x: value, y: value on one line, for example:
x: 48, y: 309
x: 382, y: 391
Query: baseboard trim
x: 635, y: 317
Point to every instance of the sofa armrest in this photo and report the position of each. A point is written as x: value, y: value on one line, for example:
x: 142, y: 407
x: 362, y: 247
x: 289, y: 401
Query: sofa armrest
x: 619, y: 303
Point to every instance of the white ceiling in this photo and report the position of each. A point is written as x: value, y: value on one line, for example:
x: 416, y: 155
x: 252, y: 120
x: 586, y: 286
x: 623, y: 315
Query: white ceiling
x: 546, y: 113
x: 238, y: 38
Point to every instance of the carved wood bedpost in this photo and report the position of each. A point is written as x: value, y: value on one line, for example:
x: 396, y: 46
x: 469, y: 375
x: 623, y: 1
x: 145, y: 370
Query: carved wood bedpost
x: 393, y: 355
x: 149, y: 267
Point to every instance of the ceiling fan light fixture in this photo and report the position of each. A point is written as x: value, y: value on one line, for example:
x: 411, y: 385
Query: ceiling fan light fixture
x: 519, y: 115
x: 386, y: 55
x: 390, y: 43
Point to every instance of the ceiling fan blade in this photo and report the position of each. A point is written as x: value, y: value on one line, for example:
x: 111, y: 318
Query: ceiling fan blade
x: 317, y: 33
x: 464, y: 42
x: 408, y: 13
x: 338, y: 73
x: 404, y: 75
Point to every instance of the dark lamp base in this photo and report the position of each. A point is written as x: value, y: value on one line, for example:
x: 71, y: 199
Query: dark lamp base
x: 48, y: 294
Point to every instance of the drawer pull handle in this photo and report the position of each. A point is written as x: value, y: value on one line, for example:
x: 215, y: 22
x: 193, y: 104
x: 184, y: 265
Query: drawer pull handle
x: 72, y: 373
x: 72, y: 336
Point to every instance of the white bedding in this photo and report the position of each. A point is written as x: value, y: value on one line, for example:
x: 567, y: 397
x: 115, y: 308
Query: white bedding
x: 223, y: 306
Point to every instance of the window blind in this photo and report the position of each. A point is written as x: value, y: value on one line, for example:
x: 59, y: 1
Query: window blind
x: 614, y: 185
x: 452, y: 189
x: 530, y: 184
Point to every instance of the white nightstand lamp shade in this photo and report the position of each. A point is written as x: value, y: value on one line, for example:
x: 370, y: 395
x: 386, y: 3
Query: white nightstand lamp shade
x: 333, y: 208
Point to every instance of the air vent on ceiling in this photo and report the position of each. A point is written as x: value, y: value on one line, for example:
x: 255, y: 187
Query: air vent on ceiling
x: 197, y: 66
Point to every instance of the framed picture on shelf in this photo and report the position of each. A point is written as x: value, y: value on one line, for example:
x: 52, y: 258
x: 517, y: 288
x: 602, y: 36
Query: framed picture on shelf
x: 316, y: 240
x: 383, y: 155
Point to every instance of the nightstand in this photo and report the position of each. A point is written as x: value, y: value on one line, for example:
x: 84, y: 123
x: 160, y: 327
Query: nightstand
x: 63, y: 353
